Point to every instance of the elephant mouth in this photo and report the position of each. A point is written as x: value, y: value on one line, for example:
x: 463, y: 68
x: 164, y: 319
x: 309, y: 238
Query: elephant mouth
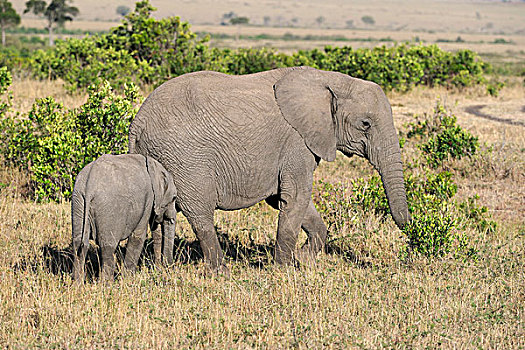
x: 346, y: 152
x: 351, y: 150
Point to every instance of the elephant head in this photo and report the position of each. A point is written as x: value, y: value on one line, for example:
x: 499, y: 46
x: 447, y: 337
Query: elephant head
x: 164, y: 213
x: 164, y: 191
x: 333, y: 111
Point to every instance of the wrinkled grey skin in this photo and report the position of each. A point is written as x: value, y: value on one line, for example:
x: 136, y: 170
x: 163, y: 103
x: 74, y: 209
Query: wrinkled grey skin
x: 232, y: 141
x: 115, y: 197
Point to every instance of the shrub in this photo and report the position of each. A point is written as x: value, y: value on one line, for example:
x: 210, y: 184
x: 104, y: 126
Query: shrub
x: 52, y: 144
x: 370, y: 195
x: 247, y: 61
x: 477, y: 215
x: 143, y: 49
x: 5, y: 105
x: 400, y: 67
x: 494, y: 88
x: 80, y: 63
x: 442, y: 137
x: 434, y: 230
x: 13, y: 59
x: 5, y: 80
x: 434, y: 233
x: 140, y: 50
x: 422, y: 192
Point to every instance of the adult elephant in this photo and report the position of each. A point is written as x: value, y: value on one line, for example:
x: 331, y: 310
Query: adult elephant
x: 232, y: 141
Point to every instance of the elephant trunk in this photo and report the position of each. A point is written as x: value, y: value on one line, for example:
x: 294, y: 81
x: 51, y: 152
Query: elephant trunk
x: 395, y: 192
x: 387, y: 160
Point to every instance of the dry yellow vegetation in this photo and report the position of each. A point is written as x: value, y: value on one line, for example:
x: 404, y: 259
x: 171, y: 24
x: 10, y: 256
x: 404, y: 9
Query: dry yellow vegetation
x: 365, y: 297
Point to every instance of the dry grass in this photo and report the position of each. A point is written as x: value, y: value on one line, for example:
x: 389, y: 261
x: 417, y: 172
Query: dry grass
x: 364, y: 297
x: 26, y: 91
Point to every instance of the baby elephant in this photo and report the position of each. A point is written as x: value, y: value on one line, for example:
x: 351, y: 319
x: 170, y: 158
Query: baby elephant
x: 114, y: 198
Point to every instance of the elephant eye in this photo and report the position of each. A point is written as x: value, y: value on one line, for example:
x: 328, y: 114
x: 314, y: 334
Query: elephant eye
x: 366, y: 124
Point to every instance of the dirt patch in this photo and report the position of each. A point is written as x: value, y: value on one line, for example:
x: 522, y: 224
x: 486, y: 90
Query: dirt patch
x: 477, y: 111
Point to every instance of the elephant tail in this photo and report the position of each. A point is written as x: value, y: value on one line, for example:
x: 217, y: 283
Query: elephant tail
x: 82, y: 229
x: 132, y: 142
x: 135, y: 131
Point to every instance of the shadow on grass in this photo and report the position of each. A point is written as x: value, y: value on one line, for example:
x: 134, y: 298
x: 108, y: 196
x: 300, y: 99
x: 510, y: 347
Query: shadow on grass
x: 59, y: 261
x: 347, y: 255
x: 189, y: 252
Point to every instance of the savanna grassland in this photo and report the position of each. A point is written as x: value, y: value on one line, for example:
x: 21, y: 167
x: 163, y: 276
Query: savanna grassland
x: 363, y: 297
x: 369, y: 289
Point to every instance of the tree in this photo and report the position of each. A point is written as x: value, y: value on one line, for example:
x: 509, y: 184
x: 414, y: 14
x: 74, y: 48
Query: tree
x: 56, y: 13
x: 226, y: 17
x: 239, y: 21
x: 8, y: 17
x: 123, y: 10
x: 368, y: 20
x: 320, y: 20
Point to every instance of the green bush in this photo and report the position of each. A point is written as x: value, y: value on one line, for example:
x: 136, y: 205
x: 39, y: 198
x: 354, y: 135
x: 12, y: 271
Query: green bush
x: 369, y: 195
x: 15, y: 60
x: 247, y: 61
x: 5, y: 105
x: 5, y: 80
x: 434, y: 233
x: 52, y: 143
x: 477, y: 215
x: 81, y: 63
x: 442, y: 138
x: 140, y: 50
x: 146, y: 50
x: 400, y: 67
x: 387, y: 67
x: 431, y: 233
x: 427, y: 191
x: 435, y: 228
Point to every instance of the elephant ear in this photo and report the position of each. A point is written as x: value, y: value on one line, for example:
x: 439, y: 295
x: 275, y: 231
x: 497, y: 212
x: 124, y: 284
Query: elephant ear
x: 164, y: 191
x: 307, y: 104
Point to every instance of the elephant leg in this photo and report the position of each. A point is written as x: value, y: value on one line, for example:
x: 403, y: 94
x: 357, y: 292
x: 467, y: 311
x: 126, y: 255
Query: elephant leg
x: 156, y: 233
x: 163, y: 242
x: 134, y: 248
x: 316, y: 230
x: 312, y: 224
x: 168, y: 234
x: 108, y: 262
x: 295, y: 192
x: 79, y: 263
x: 205, y: 231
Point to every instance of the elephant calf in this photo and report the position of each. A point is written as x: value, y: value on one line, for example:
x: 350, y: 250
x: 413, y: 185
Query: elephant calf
x: 114, y: 198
